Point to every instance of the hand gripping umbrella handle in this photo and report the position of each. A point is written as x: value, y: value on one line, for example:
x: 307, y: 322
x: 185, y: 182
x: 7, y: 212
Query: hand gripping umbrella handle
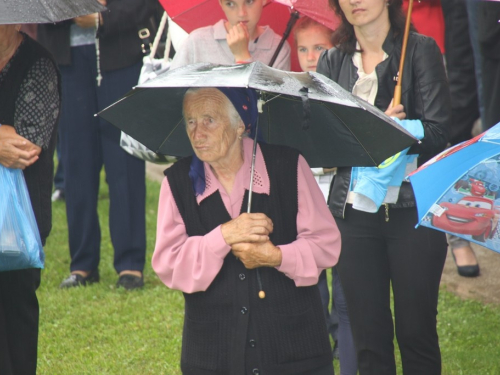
x: 397, y: 89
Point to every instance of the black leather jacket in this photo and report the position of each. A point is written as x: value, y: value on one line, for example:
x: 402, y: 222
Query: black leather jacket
x: 425, y: 96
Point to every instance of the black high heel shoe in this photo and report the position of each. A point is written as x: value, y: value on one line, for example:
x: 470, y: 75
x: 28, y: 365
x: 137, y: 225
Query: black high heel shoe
x: 466, y: 271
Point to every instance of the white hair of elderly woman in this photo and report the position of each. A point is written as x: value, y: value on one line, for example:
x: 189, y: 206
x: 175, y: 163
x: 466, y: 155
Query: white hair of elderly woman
x: 233, y: 114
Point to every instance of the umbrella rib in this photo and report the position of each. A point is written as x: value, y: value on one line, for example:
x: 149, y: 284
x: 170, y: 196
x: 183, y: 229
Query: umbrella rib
x: 169, y: 134
x: 275, y: 97
x: 354, y: 135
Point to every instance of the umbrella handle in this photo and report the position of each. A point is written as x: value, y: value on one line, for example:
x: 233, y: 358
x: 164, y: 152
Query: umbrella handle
x: 294, y: 16
x: 397, y: 90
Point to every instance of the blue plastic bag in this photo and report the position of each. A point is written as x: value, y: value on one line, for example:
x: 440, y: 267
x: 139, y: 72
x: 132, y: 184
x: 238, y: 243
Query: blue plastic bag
x: 20, y: 243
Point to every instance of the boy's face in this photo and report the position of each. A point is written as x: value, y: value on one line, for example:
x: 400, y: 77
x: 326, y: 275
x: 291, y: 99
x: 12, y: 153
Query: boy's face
x: 310, y: 43
x: 245, y: 11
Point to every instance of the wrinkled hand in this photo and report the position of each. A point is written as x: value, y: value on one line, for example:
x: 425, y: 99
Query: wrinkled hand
x: 261, y: 254
x: 237, y: 40
x: 396, y: 111
x: 18, y: 152
x: 253, y: 227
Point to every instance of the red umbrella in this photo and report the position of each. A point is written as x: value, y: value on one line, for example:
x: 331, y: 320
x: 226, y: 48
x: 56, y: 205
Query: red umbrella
x: 318, y: 10
x: 193, y: 14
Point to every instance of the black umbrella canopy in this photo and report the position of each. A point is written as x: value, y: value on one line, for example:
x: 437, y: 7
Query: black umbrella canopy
x: 337, y: 130
x: 45, y: 11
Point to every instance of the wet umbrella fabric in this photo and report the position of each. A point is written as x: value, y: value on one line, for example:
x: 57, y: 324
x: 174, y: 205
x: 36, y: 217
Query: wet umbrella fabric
x: 318, y: 10
x: 45, y: 11
x: 341, y: 130
x: 458, y: 191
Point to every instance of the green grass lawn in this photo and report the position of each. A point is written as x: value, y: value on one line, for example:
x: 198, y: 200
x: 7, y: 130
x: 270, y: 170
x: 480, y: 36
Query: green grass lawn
x: 103, y: 330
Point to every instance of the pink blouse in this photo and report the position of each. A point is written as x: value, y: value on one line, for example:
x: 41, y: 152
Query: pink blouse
x: 190, y: 264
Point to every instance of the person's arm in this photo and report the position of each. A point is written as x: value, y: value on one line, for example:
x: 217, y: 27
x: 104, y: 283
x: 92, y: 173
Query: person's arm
x: 432, y: 102
x: 189, y: 264
x: 37, y: 118
x: 318, y: 240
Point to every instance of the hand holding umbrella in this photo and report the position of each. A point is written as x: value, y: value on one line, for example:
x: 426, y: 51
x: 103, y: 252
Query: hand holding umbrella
x: 397, y: 89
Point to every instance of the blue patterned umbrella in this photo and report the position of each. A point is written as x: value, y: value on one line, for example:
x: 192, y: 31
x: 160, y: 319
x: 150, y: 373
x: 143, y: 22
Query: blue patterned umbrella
x: 458, y: 191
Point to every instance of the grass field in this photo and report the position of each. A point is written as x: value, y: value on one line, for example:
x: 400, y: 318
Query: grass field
x: 103, y: 330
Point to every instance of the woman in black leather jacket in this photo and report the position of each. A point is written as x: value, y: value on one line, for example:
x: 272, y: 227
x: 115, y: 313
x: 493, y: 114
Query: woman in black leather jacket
x: 380, y: 245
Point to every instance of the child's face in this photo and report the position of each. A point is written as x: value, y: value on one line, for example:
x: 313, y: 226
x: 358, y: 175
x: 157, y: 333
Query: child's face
x: 246, y: 11
x: 310, y: 43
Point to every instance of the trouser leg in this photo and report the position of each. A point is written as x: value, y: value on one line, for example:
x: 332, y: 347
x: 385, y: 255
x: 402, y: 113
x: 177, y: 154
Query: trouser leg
x: 19, y: 314
x: 126, y: 178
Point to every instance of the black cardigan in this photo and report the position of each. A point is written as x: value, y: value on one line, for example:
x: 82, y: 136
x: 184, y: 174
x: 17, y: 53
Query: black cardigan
x: 227, y: 328
x: 38, y: 176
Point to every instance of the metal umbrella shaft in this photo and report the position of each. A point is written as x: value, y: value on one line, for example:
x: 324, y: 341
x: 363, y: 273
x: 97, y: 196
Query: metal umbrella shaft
x: 293, y: 18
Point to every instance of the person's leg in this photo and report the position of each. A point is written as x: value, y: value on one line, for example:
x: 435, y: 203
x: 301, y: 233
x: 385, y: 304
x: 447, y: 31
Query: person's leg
x: 463, y: 255
x: 126, y: 178
x: 472, y: 19
x: 488, y: 14
x: 81, y: 151
x: 330, y: 317
x: 333, y: 324
x: 416, y: 259
x: 347, y: 350
x: 460, y: 70
x: 491, y: 83
x: 364, y: 272
x: 19, y: 314
x: 59, y: 175
x: 324, y: 294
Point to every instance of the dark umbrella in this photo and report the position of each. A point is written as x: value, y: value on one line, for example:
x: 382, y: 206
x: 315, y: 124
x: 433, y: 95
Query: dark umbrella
x: 306, y: 111
x: 45, y: 11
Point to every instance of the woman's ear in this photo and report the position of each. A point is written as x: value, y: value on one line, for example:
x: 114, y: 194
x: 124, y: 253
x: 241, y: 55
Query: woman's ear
x: 241, y: 129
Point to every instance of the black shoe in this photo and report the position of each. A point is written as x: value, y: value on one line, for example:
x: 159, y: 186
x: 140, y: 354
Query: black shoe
x: 130, y: 282
x: 466, y: 271
x: 78, y: 280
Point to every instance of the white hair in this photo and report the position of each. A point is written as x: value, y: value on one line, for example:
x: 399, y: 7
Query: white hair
x: 234, y: 117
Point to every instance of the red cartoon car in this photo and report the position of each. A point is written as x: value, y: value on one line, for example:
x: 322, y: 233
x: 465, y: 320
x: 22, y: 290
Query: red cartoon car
x: 477, y: 188
x: 471, y: 215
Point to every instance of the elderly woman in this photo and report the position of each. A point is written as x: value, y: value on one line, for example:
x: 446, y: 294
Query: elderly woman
x: 224, y: 260
x: 30, y: 97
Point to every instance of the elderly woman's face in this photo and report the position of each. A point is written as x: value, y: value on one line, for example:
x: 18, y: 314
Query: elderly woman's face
x: 209, y: 126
